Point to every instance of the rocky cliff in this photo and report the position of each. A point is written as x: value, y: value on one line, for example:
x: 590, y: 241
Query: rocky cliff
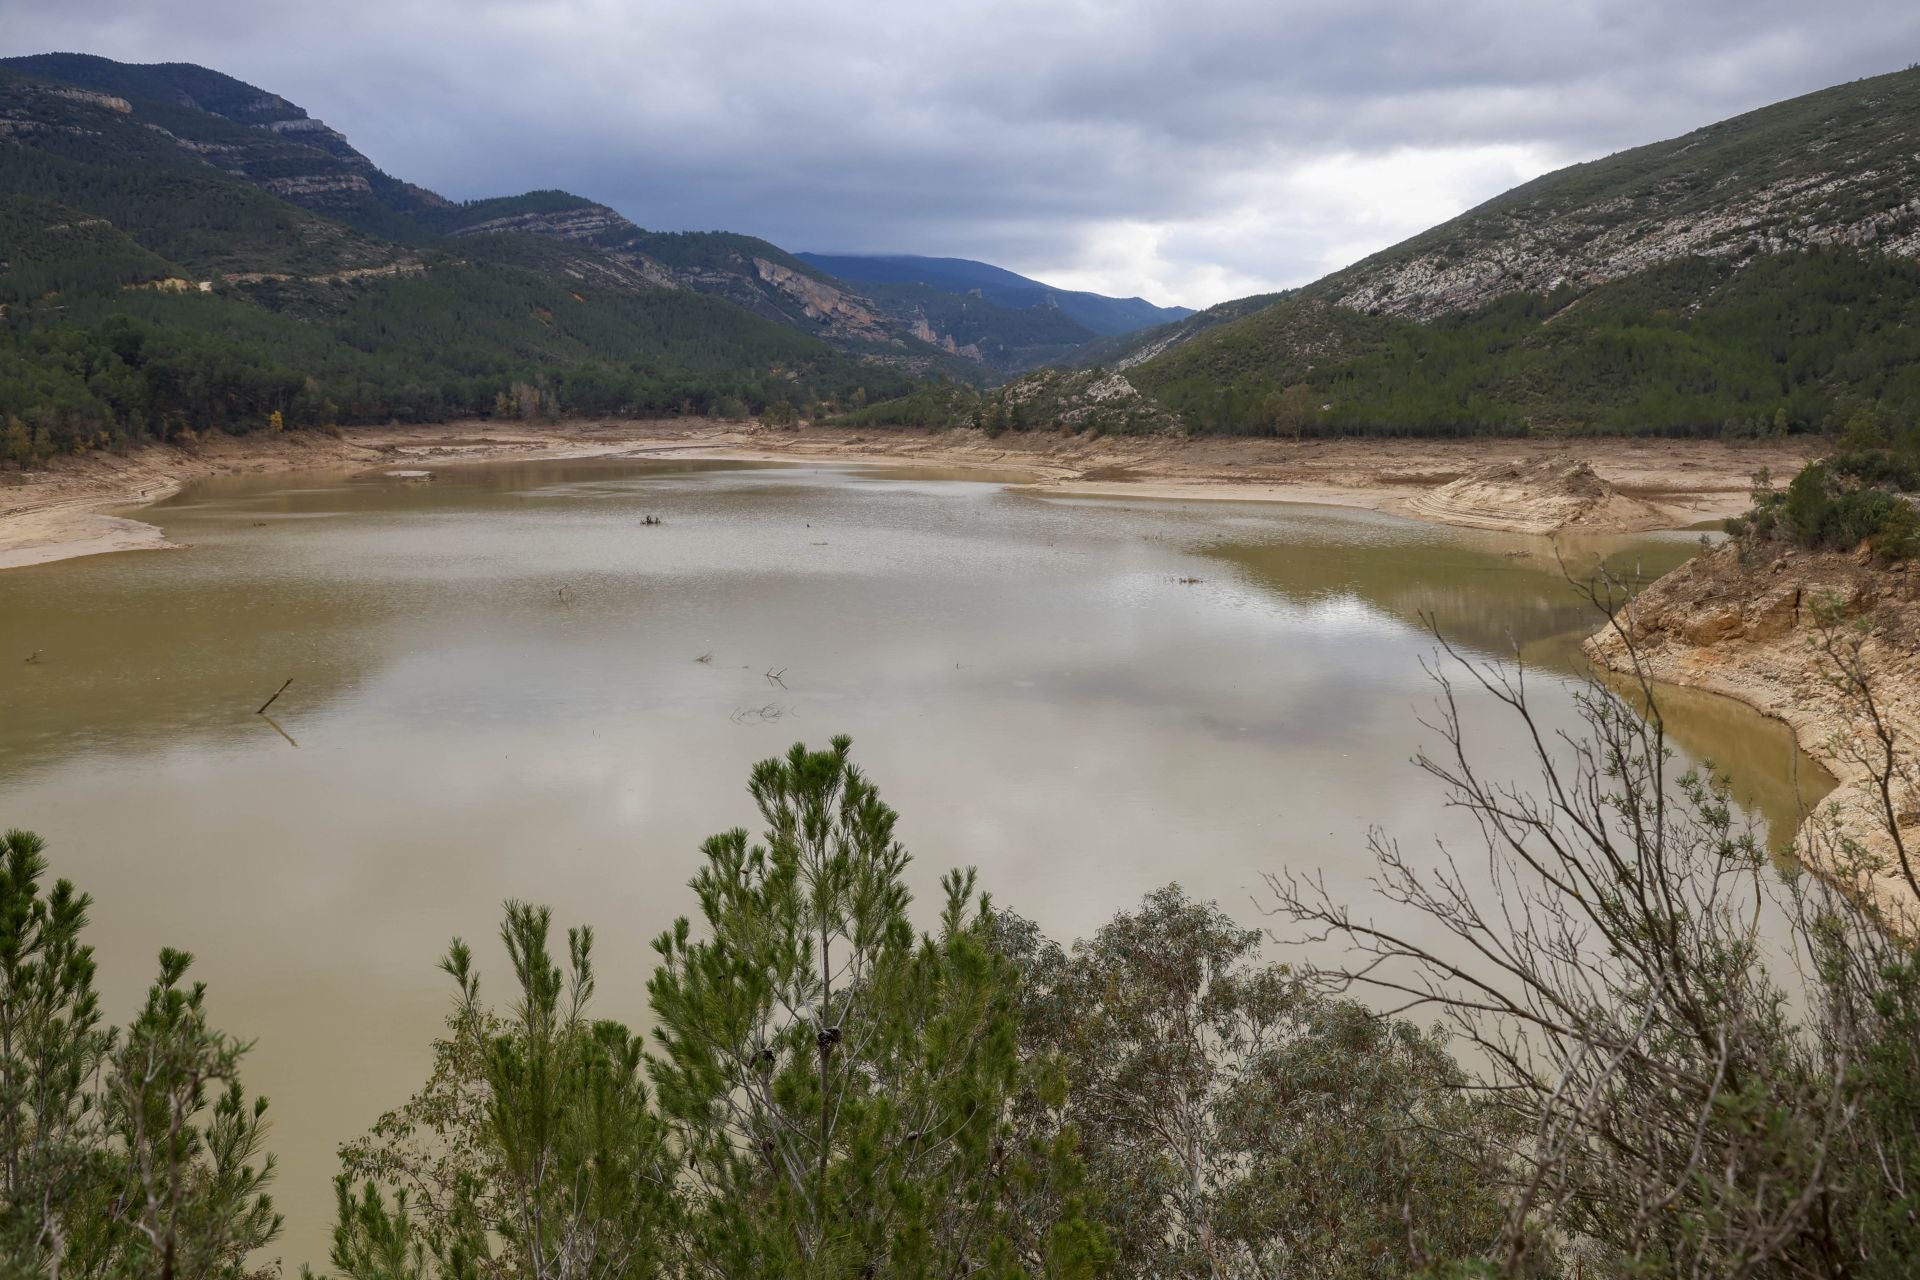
x: 839, y: 311
x: 1752, y: 621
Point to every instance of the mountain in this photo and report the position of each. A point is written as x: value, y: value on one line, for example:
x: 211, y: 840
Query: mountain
x: 167, y: 129
x: 248, y: 133
x: 1753, y: 276
x: 749, y: 272
x: 180, y: 249
x: 1837, y: 167
x: 963, y: 277
x: 243, y: 131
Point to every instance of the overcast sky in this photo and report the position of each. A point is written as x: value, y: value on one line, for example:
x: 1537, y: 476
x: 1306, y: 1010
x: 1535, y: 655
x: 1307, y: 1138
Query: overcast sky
x: 1185, y: 150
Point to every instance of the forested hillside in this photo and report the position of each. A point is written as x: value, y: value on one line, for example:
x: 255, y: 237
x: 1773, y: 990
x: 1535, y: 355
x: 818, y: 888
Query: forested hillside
x: 183, y: 251
x: 1696, y: 346
x: 185, y: 120
x: 187, y: 251
x: 1755, y: 276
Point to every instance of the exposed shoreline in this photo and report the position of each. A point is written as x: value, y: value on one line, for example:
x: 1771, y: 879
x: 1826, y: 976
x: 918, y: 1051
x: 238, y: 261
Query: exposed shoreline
x: 1743, y: 626
x: 76, y: 506
x: 1708, y: 635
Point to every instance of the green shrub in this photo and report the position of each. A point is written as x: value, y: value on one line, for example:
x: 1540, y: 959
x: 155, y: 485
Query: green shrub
x: 1855, y: 497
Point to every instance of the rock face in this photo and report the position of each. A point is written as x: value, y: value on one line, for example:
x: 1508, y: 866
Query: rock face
x: 1839, y: 167
x: 1539, y: 256
x: 314, y: 188
x: 380, y: 271
x: 1087, y: 400
x: 88, y: 96
x: 945, y: 341
x: 844, y: 313
x: 1743, y: 621
x: 584, y: 223
x: 307, y: 129
x: 1535, y: 497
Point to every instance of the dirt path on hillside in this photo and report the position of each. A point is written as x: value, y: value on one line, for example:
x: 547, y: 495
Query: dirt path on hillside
x: 76, y: 505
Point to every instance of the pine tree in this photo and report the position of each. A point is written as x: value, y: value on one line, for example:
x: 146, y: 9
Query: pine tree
x: 832, y: 1095
x: 51, y: 1047
x: 841, y: 1091
x: 134, y: 1155
x: 546, y: 1158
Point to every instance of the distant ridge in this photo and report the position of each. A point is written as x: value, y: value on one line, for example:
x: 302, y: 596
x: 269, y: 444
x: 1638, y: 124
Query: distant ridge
x: 158, y: 151
x: 1101, y: 315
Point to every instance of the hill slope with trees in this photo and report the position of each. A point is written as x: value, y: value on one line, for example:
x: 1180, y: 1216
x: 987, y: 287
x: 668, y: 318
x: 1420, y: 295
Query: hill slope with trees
x: 1754, y: 276
x: 194, y: 123
x: 186, y: 252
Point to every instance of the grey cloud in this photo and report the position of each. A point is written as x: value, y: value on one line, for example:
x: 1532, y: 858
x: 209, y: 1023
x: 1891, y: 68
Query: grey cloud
x: 1134, y: 145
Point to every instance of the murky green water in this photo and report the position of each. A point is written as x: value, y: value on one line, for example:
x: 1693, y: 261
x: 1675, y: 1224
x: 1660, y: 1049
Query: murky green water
x: 496, y: 693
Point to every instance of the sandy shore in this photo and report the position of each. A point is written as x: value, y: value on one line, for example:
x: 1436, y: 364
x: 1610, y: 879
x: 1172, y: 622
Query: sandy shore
x: 78, y: 506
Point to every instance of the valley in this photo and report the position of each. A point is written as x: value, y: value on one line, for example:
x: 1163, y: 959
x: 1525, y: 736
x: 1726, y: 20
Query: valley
x: 1410, y: 770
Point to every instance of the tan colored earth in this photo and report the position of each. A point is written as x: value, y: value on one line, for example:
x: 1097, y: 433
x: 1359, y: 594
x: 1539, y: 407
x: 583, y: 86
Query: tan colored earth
x: 76, y: 506
x: 1542, y: 495
x: 1744, y: 621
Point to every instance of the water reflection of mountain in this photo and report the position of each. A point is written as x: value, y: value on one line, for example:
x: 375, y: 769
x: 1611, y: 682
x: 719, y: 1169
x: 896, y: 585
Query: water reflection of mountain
x: 1500, y: 596
x: 128, y: 658
x: 1495, y: 595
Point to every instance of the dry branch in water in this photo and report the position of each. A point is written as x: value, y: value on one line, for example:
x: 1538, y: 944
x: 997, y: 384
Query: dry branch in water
x: 275, y: 698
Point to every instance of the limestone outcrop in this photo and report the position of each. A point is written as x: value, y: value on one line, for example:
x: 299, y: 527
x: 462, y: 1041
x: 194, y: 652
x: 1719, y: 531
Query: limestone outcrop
x: 1744, y: 620
x: 844, y: 313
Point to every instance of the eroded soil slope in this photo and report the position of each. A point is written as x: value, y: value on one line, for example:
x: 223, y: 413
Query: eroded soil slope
x: 1744, y: 620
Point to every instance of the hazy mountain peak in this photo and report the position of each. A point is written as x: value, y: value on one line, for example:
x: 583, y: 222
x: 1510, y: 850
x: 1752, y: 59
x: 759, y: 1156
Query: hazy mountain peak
x: 1097, y: 313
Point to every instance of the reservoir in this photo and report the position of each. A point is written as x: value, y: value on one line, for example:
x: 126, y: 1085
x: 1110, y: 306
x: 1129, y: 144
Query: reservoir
x: 507, y: 683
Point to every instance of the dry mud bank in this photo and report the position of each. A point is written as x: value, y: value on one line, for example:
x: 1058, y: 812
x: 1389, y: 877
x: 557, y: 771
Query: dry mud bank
x: 1744, y: 622
x: 69, y: 508
x: 1521, y: 486
x: 77, y: 506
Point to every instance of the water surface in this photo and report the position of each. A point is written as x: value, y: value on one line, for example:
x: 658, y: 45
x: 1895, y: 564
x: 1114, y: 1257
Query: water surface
x: 506, y: 685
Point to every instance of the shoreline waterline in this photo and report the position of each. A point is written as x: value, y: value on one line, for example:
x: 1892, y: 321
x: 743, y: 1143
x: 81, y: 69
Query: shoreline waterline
x: 89, y: 506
